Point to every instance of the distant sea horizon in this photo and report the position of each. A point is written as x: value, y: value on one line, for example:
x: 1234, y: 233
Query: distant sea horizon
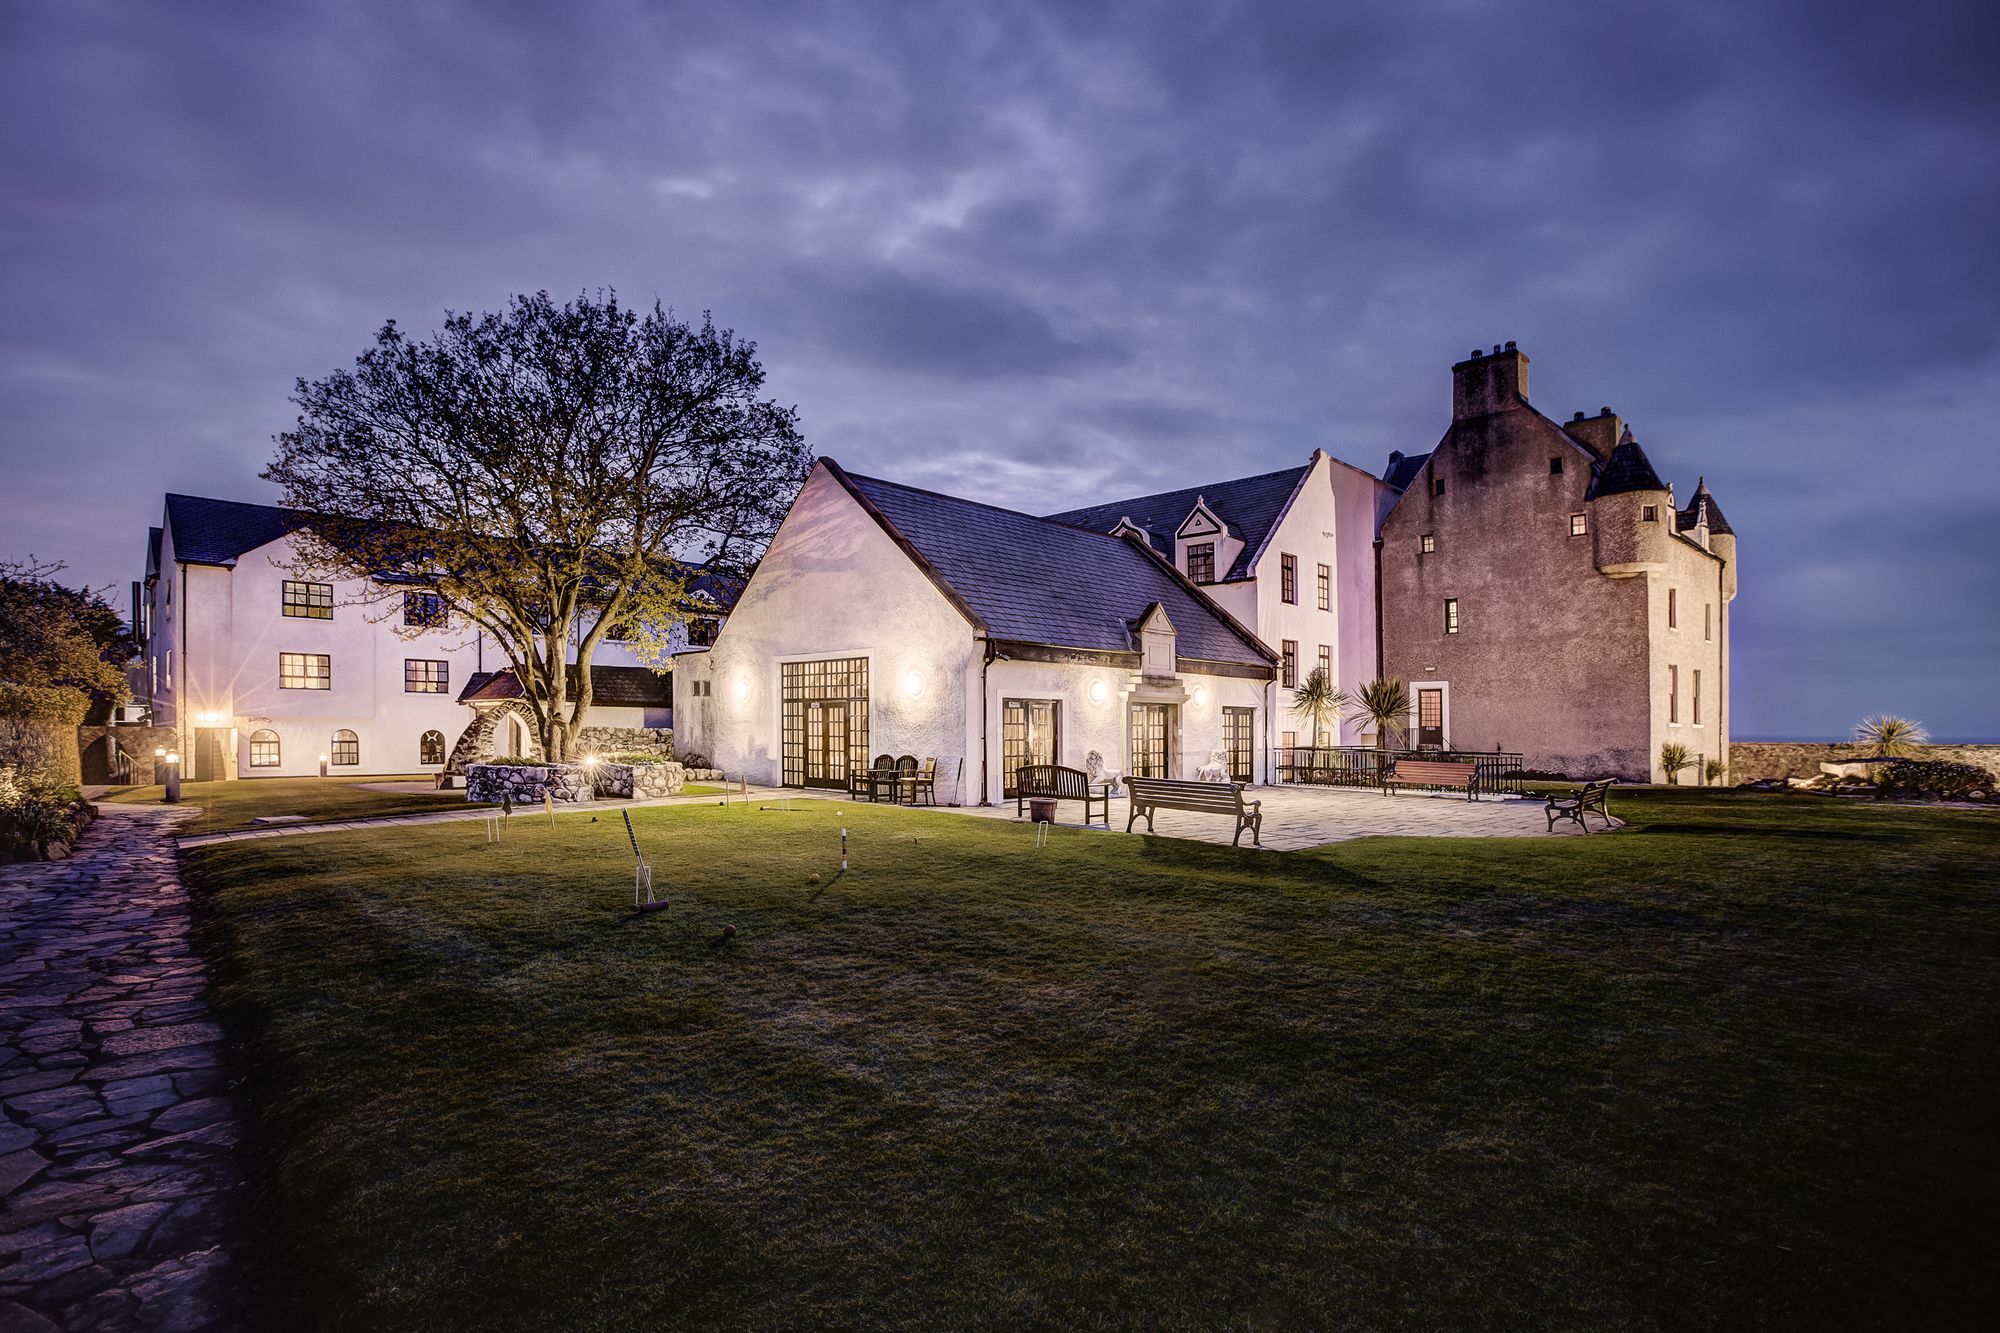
x: 1849, y: 740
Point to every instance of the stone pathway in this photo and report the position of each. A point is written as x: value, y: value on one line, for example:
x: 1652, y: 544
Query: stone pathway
x: 117, y: 1137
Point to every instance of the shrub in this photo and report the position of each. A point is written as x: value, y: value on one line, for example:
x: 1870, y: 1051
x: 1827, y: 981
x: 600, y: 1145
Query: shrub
x: 516, y: 761
x: 638, y: 757
x: 695, y: 759
x: 1714, y: 772
x: 1935, y: 775
x: 1890, y: 735
x: 1673, y: 758
x: 37, y: 812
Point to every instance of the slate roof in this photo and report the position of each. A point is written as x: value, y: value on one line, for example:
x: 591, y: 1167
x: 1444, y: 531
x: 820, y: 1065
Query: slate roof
x: 216, y: 532
x: 610, y: 687
x: 1249, y: 508
x: 1691, y: 516
x: 1040, y: 581
x: 1403, y: 469
x: 1628, y: 469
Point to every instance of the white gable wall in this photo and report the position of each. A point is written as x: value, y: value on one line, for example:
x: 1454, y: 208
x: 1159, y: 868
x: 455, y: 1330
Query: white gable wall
x: 834, y: 584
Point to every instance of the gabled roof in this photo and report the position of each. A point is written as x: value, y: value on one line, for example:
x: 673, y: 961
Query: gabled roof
x: 610, y: 687
x: 1628, y: 469
x: 1250, y: 508
x: 217, y: 532
x: 1038, y: 581
x: 152, y: 554
x: 1691, y: 516
x: 1403, y: 469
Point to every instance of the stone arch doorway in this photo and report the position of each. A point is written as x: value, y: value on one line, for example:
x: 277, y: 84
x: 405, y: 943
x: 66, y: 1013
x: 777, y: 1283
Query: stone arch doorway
x: 505, y: 728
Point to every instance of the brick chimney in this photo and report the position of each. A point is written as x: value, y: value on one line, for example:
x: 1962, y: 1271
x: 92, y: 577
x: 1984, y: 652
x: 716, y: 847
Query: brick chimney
x: 1494, y: 381
x: 1599, y: 434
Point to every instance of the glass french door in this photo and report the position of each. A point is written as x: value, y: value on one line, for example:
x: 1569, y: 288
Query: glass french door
x: 1028, y: 735
x: 825, y: 721
x: 1238, y: 731
x: 1151, y: 726
x: 826, y: 744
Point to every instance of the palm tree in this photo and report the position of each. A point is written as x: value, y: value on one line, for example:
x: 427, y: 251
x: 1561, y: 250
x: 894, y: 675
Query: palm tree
x: 1319, y: 702
x: 1893, y: 737
x: 1673, y: 758
x: 1385, y: 704
x: 1715, y: 772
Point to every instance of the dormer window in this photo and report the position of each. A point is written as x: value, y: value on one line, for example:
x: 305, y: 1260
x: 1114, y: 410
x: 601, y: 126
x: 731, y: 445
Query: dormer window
x: 1201, y: 562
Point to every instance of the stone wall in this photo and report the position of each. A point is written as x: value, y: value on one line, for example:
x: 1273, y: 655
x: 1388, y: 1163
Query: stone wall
x: 94, y: 743
x: 641, y: 782
x: 1750, y: 761
x: 626, y: 740
x: 526, y: 783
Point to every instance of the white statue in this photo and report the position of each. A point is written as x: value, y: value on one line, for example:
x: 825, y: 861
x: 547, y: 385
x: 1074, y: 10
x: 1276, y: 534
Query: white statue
x: 1094, y: 771
x: 1215, y: 770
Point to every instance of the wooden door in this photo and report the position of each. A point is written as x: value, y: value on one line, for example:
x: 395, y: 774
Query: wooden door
x: 210, y: 765
x: 1430, y: 719
x: 1150, y: 757
x: 1027, y: 736
x: 1238, y: 744
x: 826, y: 744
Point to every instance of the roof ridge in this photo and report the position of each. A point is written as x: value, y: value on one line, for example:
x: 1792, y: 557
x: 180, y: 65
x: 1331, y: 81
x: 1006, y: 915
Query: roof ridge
x: 1197, y: 490
x: 980, y: 504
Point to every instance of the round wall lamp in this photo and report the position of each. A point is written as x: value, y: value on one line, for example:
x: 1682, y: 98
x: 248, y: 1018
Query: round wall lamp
x: 742, y: 688
x: 1098, y: 691
x: 1201, y: 696
x: 913, y: 683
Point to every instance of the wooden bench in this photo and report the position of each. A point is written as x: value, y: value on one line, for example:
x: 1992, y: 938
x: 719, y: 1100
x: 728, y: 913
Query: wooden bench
x: 1593, y: 797
x: 1053, y: 782
x: 1433, y: 773
x: 1205, y: 798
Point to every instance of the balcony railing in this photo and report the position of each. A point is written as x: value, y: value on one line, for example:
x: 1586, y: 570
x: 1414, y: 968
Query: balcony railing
x: 1359, y: 766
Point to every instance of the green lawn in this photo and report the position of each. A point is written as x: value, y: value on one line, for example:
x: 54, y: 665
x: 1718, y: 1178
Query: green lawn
x: 226, y: 806
x: 1732, y: 1067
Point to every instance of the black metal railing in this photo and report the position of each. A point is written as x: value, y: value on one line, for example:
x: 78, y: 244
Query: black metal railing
x: 1360, y: 766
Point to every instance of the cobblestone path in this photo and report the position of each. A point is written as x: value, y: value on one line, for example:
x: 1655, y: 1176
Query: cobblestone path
x: 117, y: 1139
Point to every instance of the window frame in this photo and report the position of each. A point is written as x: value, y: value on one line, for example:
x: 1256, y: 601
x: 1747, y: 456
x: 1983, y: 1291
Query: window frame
x: 1326, y: 587
x: 433, y: 615
x: 276, y: 757
x: 1451, y: 617
x: 344, y: 743
x: 1288, y: 578
x: 305, y: 678
x: 1579, y: 525
x: 1201, y: 562
x: 1289, y: 664
x: 308, y: 605
x: 1427, y: 544
x: 1673, y: 695
x: 417, y: 681
x: 1324, y: 662
x: 425, y: 750
x: 1673, y: 608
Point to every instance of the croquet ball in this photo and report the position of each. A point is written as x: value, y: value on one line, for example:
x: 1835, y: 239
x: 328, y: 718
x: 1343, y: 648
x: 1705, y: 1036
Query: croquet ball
x: 813, y: 878
x: 729, y: 932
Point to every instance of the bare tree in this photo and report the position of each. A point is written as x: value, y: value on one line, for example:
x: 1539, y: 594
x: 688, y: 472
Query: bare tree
x: 551, y: 472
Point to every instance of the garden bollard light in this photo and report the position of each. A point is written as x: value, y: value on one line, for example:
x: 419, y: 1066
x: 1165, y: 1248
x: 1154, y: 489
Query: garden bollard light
x: 322, y: 765
x: 173, y: 781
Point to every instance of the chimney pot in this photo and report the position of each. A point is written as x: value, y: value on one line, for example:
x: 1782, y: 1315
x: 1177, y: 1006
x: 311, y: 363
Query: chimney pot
x: 1604, y: 411
x: 1510, y: 344
x: 1578, y: 416
x: 1496, y: 349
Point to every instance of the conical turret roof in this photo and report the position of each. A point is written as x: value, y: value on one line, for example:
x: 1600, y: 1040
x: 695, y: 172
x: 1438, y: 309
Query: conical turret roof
x: 1704, y: 499
x: 1628, y: 469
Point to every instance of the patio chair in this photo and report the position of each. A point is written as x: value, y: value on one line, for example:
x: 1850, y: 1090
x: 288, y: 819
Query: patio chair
x: 920, y: 782
x: 864, y: 783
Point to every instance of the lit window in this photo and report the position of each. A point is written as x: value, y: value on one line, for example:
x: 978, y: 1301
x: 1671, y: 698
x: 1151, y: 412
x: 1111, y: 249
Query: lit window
x: 425, y: 610
x: 430, y: 748
x: 1325, y: 588
x: 1201, y: 562
x: 423, y: 676
x: 1427, y: 543
x: 1576, y: 525
x: 346, y: 747
x: 305, y: 671
x: 308, y: 601
x: 1291, y: 666
x: 1451, y: 615
x: 1288, y: 579
x: 1326, y: 663
x: 264, y: 749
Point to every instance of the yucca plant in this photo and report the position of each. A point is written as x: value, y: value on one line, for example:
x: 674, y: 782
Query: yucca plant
x: 1892, y: 737
x: 1319, y: 702
x: 1715, y: 772
x: 1386, y: 706
x: 1673, y: 758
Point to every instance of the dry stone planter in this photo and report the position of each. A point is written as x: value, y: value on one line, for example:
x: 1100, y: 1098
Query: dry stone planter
x: 641, y: 782
x: 527, y: 783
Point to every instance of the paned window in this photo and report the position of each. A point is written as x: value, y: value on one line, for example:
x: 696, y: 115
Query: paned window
x: 346, y: 747
x: 702, y: 631
x: 425, y: 610
x: 1427, y: 543
x: 1451, y: 615
x: 425, y: 675
x: 305, y: 671
x: 430, y: 748
x: 1325, y: 588
x: 1326, y: 663
x: 824, y: 719
x: 1291, y: 665
x: 1201, y: 562
x: 264, y: 749
x: 1577, y: 525
x: 1288, y: 579
x: 308, y: 601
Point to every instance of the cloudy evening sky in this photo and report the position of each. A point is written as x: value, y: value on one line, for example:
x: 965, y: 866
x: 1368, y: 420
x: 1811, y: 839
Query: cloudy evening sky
x: 1045, y: 254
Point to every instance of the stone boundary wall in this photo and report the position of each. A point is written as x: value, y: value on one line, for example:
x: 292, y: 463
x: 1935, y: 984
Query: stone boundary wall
x: 643, y: 782
x: 626, y: 740
x: 1750, y: 761
x: 525, y: 783
x: 139, y: 742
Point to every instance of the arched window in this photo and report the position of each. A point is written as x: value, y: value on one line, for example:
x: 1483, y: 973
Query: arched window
x: 346, y: 747
x: 264, y: 749
x: 430, y: 748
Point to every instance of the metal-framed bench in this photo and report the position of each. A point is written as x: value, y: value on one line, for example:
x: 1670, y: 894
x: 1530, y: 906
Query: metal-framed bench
x: 1053, y: 782
x: 1593, y: 796
x: 1204, y: 798
x: 1433, y: 773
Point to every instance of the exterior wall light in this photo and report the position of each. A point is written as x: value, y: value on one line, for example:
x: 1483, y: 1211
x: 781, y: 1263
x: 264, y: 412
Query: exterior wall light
x: 913, y: 683
x: 211, y: 719
x: 1201, y: 696
x: 173, y: 757
x: 742, y: 689
x: 1098, y: 691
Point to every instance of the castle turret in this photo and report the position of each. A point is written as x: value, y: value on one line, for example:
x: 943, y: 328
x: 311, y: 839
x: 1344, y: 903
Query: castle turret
x: 1631, y: 511
x: 1703, y: 520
